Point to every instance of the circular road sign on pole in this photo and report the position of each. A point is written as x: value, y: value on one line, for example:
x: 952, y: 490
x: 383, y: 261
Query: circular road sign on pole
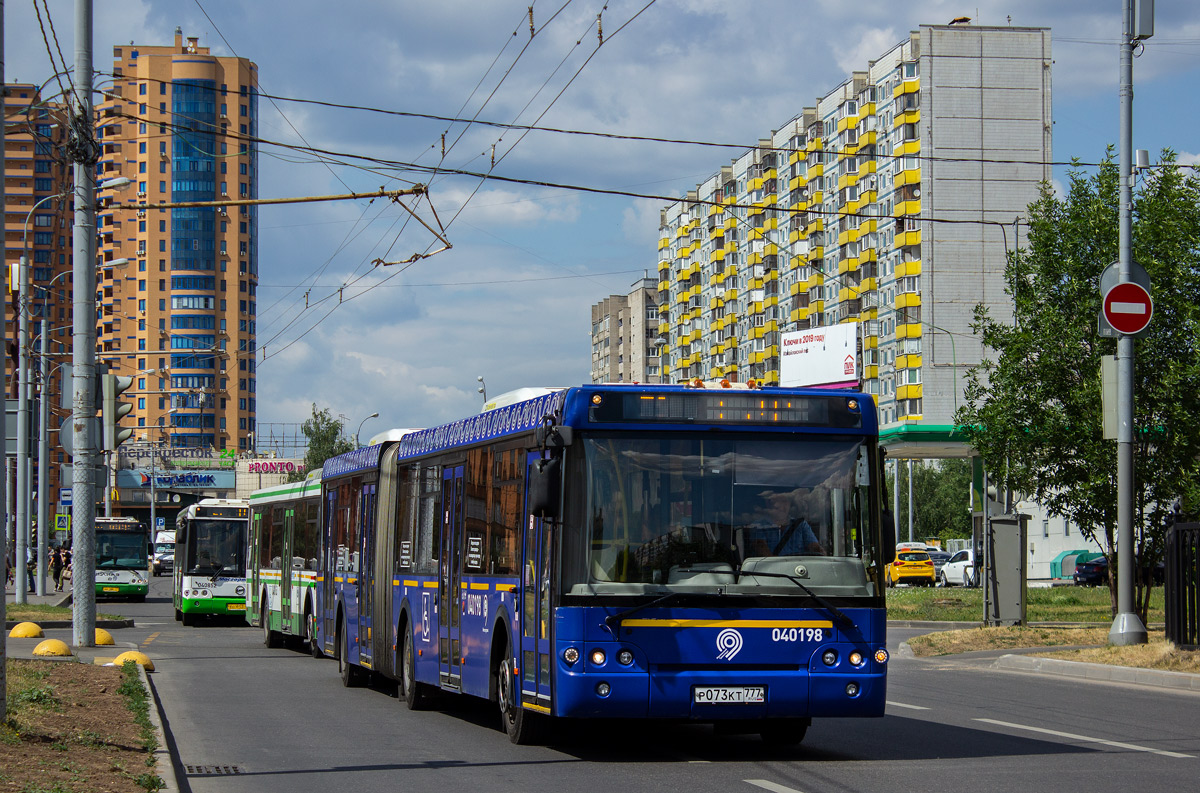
x: 1128, y: 308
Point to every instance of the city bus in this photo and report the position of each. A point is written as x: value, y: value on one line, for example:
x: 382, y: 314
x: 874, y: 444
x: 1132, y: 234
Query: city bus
x: 619, y: 551
x: 122, y: 558
x: 282, y: 562
x: 210, y: 559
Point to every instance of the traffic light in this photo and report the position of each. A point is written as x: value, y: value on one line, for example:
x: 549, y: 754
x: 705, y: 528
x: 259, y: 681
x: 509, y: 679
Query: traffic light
x: 112, y: 410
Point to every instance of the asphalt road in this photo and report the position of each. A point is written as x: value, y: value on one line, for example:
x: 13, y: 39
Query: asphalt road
x: 241, y: 717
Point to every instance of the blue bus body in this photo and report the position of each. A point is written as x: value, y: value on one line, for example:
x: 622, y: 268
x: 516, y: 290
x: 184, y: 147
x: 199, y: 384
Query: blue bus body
x: 647, y: 589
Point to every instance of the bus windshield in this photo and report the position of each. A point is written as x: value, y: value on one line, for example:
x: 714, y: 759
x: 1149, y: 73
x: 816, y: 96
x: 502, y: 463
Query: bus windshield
x: 216, y: 546
x: 121, y: 550
x: 731, y: 514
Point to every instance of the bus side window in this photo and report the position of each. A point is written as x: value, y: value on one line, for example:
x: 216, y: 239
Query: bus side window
x: 407, y: 495
x: 430, y: 520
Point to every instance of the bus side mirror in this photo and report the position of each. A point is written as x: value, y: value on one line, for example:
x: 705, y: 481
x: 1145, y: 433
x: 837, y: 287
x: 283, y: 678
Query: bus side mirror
x: 553, y: 436
x: 544, y: 480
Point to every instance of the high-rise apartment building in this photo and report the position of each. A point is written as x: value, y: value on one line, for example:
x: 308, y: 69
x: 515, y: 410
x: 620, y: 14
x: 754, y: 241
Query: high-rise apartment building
x: 179, y: 315
x: 37, y: 221
x: 882, y: 205
x: 625, y: 339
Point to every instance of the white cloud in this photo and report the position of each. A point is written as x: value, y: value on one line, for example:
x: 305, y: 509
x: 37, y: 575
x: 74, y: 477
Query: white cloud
x: 868, y: 44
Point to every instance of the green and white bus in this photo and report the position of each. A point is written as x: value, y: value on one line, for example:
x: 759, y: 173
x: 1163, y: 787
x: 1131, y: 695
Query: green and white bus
x: 122, y: 558
x: 283, y: 558
x: 210, y: 559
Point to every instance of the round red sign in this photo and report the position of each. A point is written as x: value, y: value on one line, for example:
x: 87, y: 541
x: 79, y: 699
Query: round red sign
x: 1128, y: 308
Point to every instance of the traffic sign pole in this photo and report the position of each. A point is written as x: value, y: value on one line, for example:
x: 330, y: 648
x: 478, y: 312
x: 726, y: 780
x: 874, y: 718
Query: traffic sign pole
x: 1127, y: 627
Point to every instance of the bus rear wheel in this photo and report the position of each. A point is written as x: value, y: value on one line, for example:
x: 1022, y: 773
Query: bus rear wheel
x: 310, y: 635
x: 352, y: 674
x: 520, y: 724
x: 414, y: 694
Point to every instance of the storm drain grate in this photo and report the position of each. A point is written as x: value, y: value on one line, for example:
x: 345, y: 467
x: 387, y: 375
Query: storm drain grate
x: 211, y: 770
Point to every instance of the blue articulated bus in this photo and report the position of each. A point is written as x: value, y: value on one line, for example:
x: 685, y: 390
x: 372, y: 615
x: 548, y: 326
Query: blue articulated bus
x: 709, y: 553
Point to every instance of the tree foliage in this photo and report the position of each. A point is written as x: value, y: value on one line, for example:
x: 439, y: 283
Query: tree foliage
x: 325, y: 439
x: 1033, y: 407
x: 941, y: 507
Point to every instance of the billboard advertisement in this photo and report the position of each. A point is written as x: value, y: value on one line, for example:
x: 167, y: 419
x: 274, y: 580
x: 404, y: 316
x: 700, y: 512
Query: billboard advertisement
x: 826, y: 356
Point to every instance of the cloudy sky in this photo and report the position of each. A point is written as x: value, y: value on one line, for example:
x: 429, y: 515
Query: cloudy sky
x: 510, y: 300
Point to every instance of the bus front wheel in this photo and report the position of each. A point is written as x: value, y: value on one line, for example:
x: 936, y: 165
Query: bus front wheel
x: 520, y: 724
x: 187, y: 619
x: 784, y: 733
x: 270, y: 637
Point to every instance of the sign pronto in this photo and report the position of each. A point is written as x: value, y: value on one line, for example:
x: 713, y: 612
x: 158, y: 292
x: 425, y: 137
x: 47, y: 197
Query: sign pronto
x: 1128, y: 308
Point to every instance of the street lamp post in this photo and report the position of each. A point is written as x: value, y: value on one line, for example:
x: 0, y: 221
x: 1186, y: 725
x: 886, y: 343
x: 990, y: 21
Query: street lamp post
x: 482, y: 388
x: 357, y: 441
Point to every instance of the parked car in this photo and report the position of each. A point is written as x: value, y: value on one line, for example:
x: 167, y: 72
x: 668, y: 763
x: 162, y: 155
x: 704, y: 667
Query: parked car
x: 910, y: 567
x: 958, y: 569
x: 939, y: 561
x: 1093, y: 572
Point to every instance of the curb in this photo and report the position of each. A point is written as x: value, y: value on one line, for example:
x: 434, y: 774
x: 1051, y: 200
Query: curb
x: 164, y: 763
x: 125, y: 623
x: 1183, y: 681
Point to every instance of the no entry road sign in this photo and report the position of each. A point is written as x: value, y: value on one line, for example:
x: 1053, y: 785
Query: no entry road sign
x: 1128, y: 308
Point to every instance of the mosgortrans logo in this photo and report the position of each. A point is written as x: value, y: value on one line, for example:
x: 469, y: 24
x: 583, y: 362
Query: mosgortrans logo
x: 729, y: 642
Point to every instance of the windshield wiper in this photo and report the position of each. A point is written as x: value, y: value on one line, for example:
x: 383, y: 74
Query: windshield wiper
x: 216, y: 573
x: 614, y: 621
x: 838, y: 616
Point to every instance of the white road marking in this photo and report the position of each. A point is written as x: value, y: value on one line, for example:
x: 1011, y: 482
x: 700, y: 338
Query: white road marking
x: 774, y: 787
x: 1074, y: 737
x: 902, y: 705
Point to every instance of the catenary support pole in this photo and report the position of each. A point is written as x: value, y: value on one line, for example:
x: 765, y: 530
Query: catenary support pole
x: 83, y: 352
x: 1127, y: 627
x: 43, y: 519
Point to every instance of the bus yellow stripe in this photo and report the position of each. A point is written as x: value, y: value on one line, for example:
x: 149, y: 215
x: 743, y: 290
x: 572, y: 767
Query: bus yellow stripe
x: 430, y: 584
x: 484, y: 587
x: 669, y: 623
x: 538, y: 708
x: 411, y: 583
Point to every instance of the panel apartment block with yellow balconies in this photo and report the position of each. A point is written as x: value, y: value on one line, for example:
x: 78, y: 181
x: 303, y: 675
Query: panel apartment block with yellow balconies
x: 880, y: 205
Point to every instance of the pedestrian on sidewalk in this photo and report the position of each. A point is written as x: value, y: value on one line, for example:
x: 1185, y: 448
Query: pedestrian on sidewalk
x: 56, y: 568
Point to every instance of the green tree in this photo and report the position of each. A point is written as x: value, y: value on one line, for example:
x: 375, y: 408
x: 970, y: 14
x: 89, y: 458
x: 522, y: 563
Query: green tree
x: 1033, y: 407
x: 940, y: 500
x: 325, y: 440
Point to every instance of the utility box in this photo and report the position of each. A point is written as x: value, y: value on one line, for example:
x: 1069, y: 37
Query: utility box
x: 1005, y: 569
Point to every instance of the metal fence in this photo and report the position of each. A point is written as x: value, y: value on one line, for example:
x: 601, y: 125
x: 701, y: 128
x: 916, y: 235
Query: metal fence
x: 1183, y: 585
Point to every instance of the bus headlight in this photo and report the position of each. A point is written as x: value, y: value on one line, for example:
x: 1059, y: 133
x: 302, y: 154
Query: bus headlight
x: 598, y: 658
x: 603, y: 689
x: 856, y: 658
x: 829, y: 657
x: 570, y: 655
x: 852, y: 689
x: 625, y: 658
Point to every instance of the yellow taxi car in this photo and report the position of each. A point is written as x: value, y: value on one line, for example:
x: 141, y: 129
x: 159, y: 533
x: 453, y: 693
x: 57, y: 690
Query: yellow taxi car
x: 912, y: 566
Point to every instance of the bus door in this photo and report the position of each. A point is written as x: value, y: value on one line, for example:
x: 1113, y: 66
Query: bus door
x: 365, y: 571
x: 253, y: 582
x: 450, y: 581
x: 286, y: 568
x: 328, y: 590
x: 534, y: 660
